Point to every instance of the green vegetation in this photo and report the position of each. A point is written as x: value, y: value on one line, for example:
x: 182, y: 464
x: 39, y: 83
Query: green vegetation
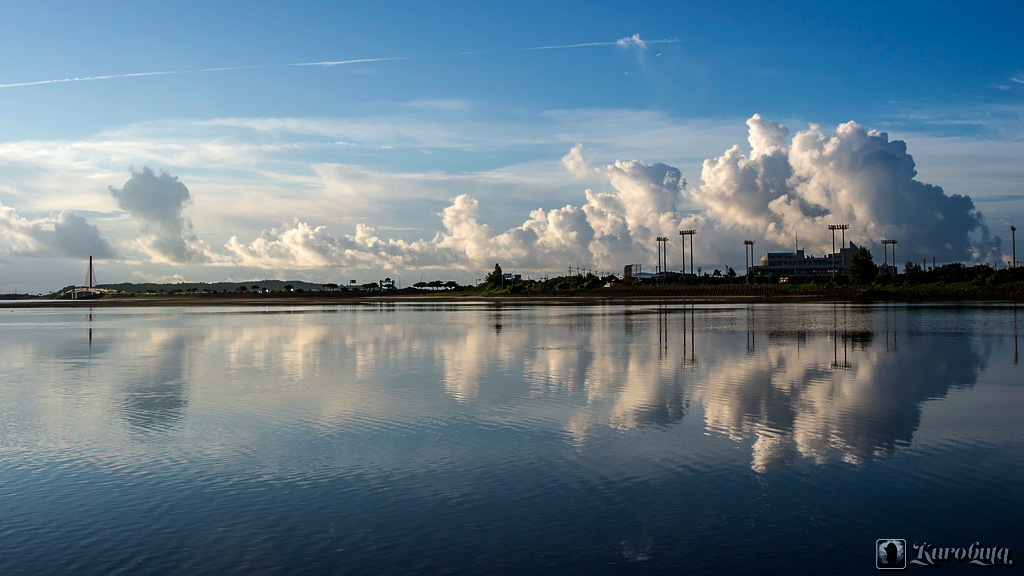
x: 862, y: 267
x: 948, y: 281
x: 557, y: 285
x: 864, y: 280
x: 495, y: 277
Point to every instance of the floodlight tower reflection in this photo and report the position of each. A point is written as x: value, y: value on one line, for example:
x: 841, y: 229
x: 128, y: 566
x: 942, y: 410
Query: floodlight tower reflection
x: 1015, y: 356
x: 837, y: 364
x: 689, y: 327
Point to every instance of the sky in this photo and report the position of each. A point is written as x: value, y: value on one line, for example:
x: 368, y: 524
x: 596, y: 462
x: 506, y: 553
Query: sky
x: 337, y: 141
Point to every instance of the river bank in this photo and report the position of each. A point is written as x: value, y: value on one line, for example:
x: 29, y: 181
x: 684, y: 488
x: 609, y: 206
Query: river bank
x: 607, y: 295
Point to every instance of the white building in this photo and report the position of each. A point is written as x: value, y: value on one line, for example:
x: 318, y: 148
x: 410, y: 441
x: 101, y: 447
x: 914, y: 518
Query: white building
x: 799, y: 264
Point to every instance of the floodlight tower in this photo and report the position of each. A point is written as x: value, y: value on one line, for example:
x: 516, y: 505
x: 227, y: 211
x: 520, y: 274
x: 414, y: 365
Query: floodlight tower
x: 682, y: 242
x: 1013, y: 243
x: 683, y: 234
x: 749, y: 243
x: 662, y: 254
x: 892, y: 243
x: 833, y: 228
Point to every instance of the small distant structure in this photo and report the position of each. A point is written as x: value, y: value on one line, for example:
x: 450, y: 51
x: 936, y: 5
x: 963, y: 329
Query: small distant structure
x: 509, y: 276
x: 629, y: 273
x: 386, y: 284
x: 89, y: 291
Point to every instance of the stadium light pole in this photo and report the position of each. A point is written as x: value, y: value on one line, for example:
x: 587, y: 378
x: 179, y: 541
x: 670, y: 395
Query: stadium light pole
x: 833, y: 228
x: 751, y: 265
x: 662, y: 249
x: 885, y: 243
x: 684, y: 234
x: 682, y: 241
x: 1013, y: 243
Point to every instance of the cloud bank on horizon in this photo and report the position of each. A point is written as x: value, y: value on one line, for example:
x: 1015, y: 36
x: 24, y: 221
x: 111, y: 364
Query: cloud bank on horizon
x: 778, y: 192
x: 773, y: 191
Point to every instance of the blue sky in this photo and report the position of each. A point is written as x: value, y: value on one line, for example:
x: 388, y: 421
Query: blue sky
x: 335, y: 141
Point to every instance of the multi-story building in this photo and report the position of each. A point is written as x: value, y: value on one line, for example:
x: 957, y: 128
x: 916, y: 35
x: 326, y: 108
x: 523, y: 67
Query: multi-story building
x: 799, y: 264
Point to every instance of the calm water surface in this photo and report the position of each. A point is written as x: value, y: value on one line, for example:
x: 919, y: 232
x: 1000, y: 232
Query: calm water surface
x: 481, y: 438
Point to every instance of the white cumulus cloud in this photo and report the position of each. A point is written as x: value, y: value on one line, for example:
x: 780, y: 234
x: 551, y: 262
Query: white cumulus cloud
x: 781, y: 190
x: 59, y: 234
x: 612, y: 226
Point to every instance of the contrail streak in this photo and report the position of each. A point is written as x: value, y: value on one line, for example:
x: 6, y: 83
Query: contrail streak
x: 635, y: 41
x: 628, y: 41
x: 359, y: 61
x: 131, y: 75
x: 171, y: 72
x: 87, y: 78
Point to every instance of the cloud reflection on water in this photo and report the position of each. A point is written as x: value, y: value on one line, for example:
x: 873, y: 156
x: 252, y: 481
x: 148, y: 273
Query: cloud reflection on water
x: 815, y: 382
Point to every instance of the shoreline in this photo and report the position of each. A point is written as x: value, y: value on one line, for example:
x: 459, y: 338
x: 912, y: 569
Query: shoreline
x: 589, y: 298
x: 171, y: 301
